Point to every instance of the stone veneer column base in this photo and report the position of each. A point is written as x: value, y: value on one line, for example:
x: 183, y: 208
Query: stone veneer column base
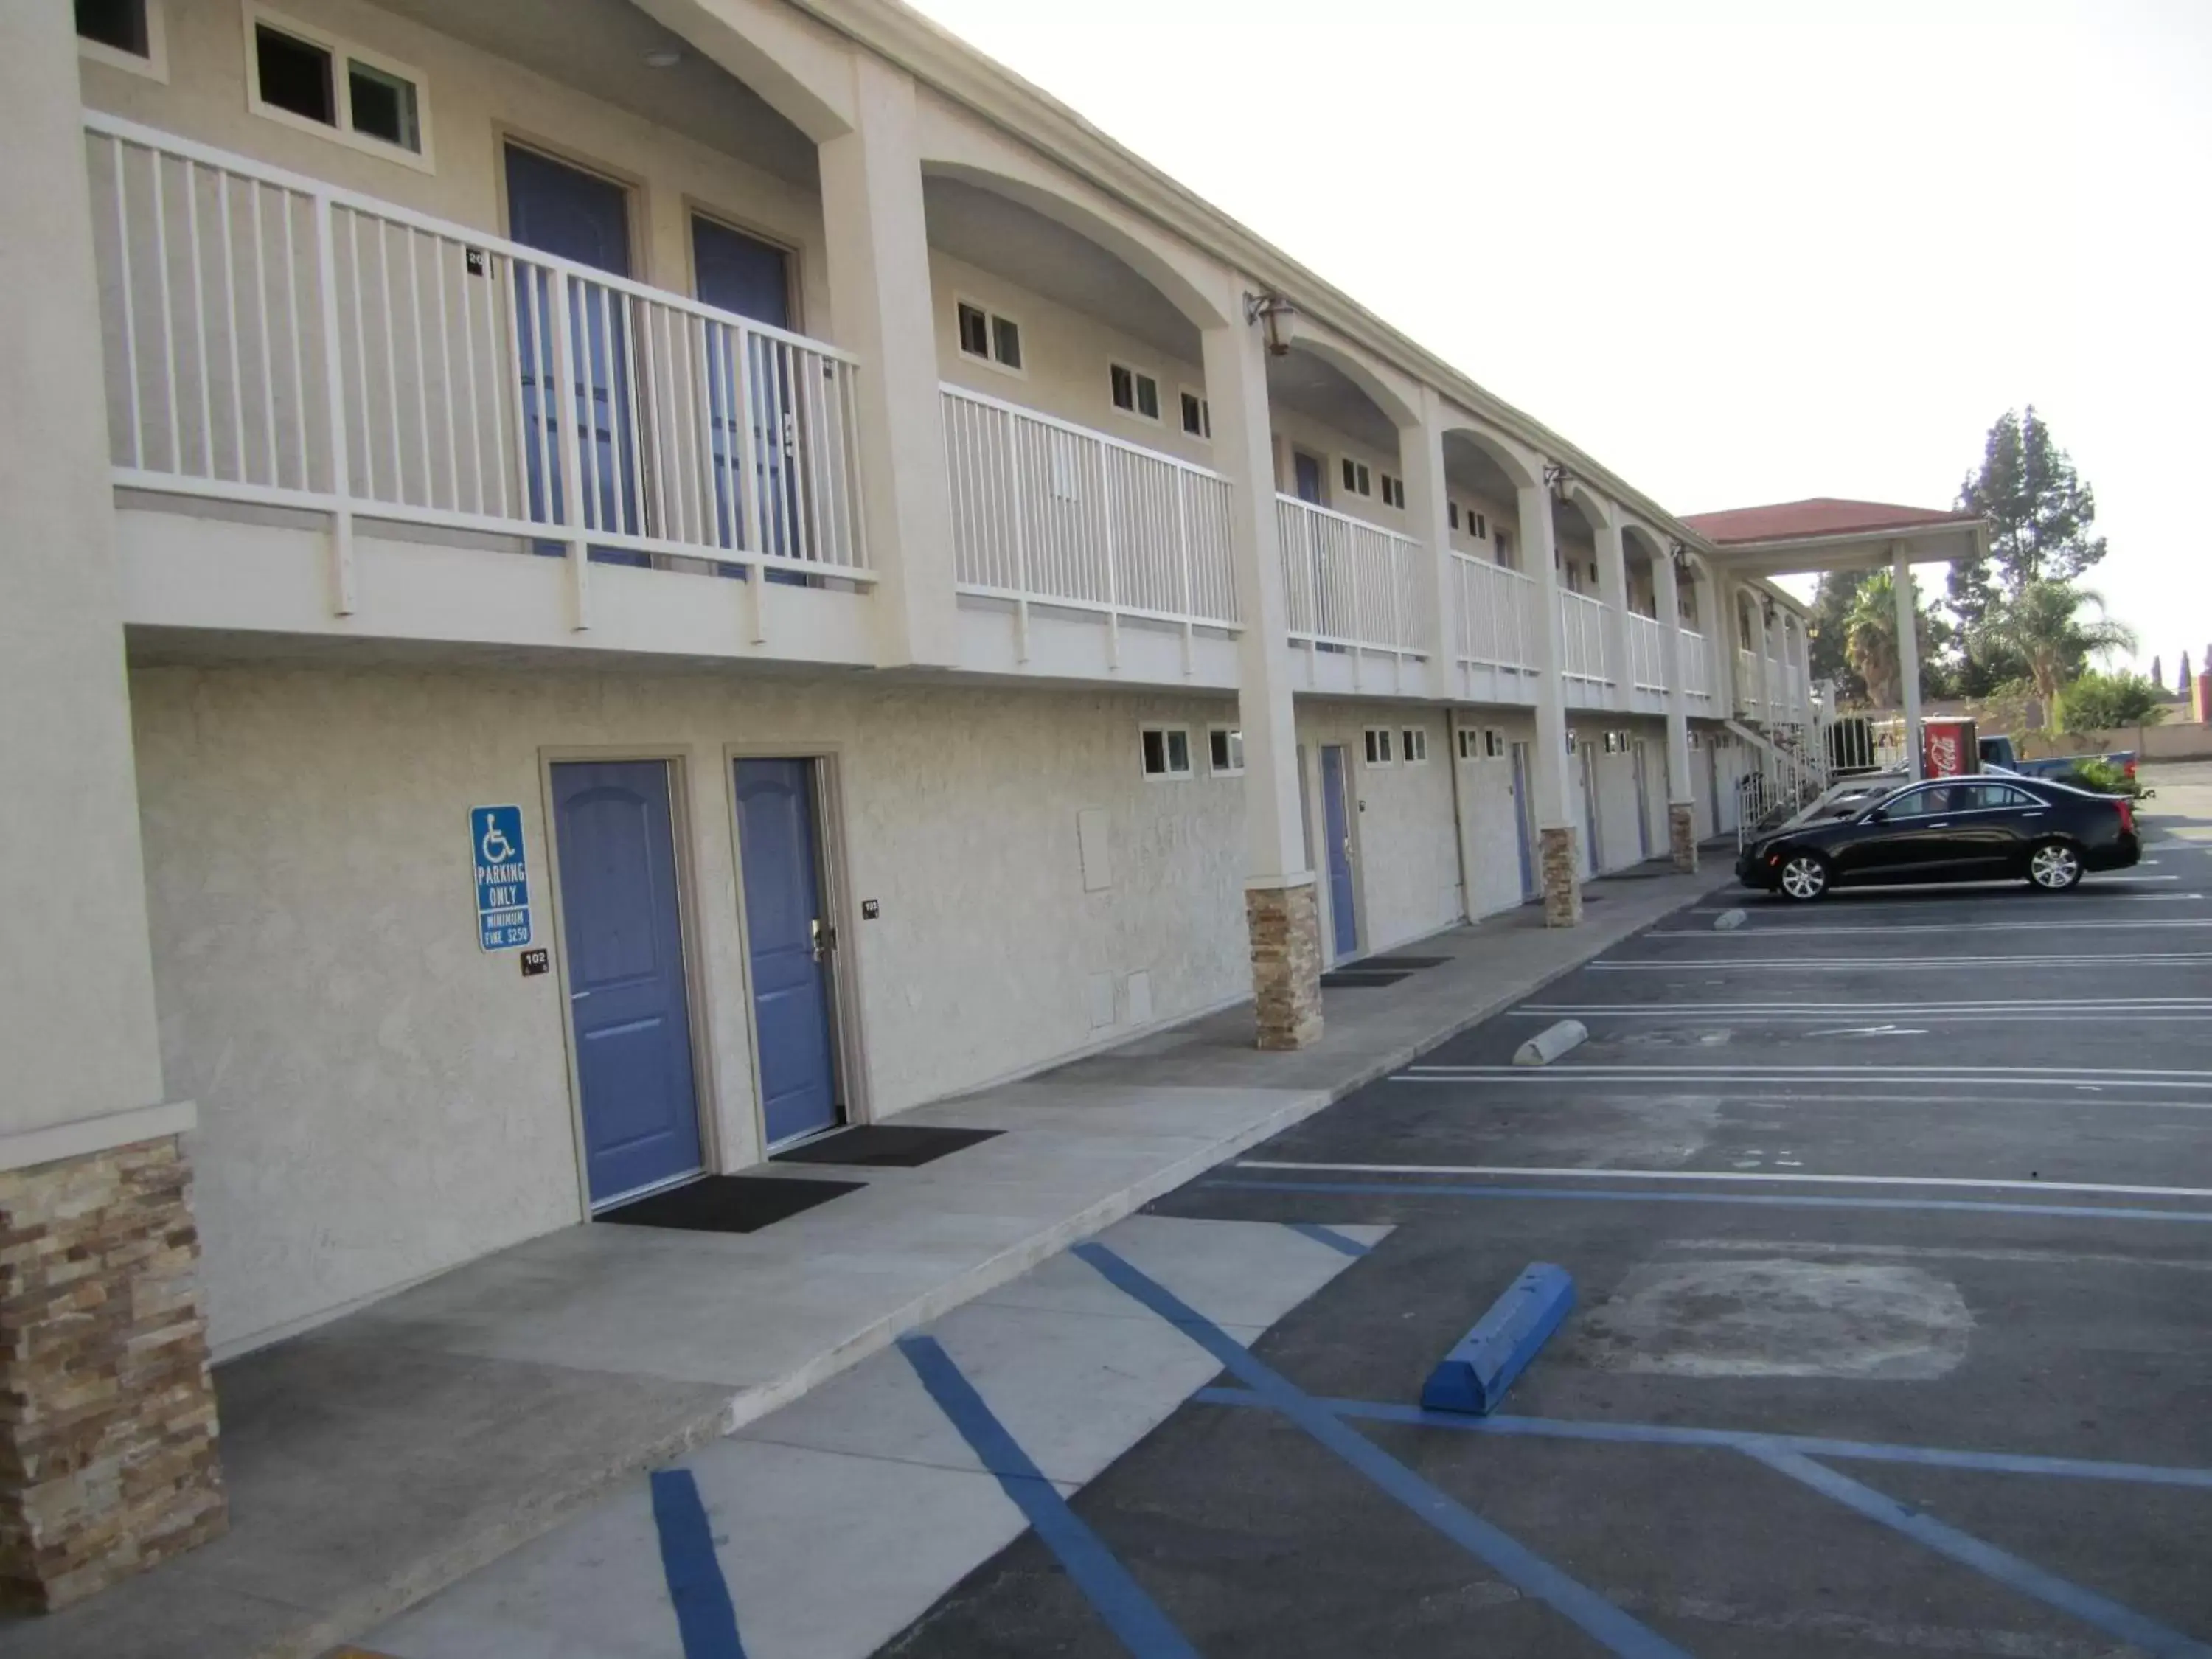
x: 1284, y: 923
x: 1560, y: 859
x: 107, y: 1421
x: 1682, y: 836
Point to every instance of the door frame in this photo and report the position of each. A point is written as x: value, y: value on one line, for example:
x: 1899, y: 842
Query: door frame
x: 705, y: 1090
x: 793, y: 278
x: 833, y: 873
x: 633, y: 186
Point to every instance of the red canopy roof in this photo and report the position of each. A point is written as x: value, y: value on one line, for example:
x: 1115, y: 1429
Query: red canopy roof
x: 1824, y: 515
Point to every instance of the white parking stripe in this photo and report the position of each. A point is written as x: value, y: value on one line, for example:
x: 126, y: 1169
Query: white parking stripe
x: 1792, y: 1177
x: 1709, y: 935
x: 1844, y: 965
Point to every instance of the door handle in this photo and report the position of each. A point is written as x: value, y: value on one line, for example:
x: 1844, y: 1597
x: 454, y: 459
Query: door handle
x: 820, y: 940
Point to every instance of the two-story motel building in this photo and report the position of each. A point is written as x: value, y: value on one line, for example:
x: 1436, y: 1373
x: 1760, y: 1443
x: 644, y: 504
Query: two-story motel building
x: 940, y: 596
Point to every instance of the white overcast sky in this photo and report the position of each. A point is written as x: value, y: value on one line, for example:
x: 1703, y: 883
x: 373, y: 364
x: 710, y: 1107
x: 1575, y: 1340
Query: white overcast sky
x: 1743, y: 252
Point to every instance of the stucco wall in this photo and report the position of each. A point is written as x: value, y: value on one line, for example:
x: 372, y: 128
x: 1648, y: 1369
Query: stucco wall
x: 381, y: 1100
x: 1406, y: 863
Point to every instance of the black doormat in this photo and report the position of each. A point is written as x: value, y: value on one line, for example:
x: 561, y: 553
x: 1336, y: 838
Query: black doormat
x: 1367, y: 962
x: 1352, y: 979
x: 727, y: 1204
x: 895, y: 1144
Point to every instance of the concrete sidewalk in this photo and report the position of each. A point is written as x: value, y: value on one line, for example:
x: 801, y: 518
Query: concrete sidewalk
x: 380, y: 1458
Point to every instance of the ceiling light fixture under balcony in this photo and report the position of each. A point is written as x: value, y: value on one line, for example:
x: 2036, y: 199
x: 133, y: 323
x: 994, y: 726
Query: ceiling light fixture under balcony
x: 663, y: 58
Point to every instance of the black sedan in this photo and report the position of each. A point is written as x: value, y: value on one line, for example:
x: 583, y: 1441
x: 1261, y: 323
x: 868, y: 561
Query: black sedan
x: 1969, y: 829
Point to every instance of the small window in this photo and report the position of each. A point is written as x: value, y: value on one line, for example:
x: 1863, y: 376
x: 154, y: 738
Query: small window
x: 1134, y: 392
x: 1197, y: 415
x: 1482, y: 529
x: 1493, y: 742
x: 988, y: 337
x: 1355, y: 477
x: 1378, y: 745
x: 1505, y: 549
x: 119, y: 25
x: 1469, y: 744
x: 975, y: 330
x: 1224, y: 752
x: 1451, y: 511
x: 295, y: 75
x: 1166, y: 751
x: 303, y: 78
x: 1696, y: 738
x: 1415, y: 746
x: 1394, y: 492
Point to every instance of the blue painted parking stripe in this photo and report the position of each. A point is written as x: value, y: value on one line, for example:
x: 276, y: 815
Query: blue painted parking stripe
x: 1511, y: 1560
x: 1770, y: 1201
x: 1665, y: 1434
x: 705, y: 1618
x: 1134, y: 1617
x: 1342, y: 1244
x: 2005, y: 1568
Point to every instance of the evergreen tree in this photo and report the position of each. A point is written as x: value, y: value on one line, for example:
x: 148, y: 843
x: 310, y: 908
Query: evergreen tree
x: 1832, y: 609
x: 2158, y: 672
x: 2186, y: 682
x: 2041, y: 517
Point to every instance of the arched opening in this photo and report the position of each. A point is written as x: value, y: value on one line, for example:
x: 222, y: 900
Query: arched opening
x: 1642, y: 551
x: 1482, y: 483
x: 1574, y: 545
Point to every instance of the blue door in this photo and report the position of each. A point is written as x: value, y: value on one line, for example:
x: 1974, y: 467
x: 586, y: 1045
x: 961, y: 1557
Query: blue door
x: 627, y: 1006
x: 1336, y: 830
x: 1305, y: 473
x: 1521, y: 831
x: 1595, y: 854
x: 740, y: 273
x: 788, y: 940
x: 573, y: 215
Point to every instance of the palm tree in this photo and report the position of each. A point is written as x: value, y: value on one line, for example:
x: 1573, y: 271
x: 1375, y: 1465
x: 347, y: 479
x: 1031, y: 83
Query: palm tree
x: 1870, y: 639
x: 2043, y: 624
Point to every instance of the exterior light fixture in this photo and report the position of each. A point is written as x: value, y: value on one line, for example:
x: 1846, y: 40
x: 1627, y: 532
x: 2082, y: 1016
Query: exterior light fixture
x: 1275, y: 315
x: 1681, y: 557
x: 663, y: 58
x: 1557, y: 478
x: 1769, y: 611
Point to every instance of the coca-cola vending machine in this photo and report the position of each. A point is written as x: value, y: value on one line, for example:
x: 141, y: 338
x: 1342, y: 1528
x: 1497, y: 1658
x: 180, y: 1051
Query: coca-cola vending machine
x: 1947, y: 748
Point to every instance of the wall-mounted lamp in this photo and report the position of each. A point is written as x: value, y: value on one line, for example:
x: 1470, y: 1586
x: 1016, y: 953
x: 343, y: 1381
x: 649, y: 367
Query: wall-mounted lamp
x: 1680, y: 555
x: 1556, y: 479
x: 1275, y: 315
x: 1771, y: 612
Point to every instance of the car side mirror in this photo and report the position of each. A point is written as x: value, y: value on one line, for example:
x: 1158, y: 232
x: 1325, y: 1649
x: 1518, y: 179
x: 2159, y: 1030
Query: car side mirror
x: 1879, y: 815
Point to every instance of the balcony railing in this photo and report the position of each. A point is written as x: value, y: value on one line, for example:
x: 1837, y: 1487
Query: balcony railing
x: 1747, y: 680
x: 1697, y: 664
x: 1497, y: 614
x: 1351, y: 585
x: 1581, y: 622
x: 1052, y: 513
x: 1647, y: 653
x: 275, y: 340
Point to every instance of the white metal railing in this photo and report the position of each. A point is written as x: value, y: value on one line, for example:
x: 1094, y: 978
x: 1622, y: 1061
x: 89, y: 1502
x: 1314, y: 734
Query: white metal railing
x: 1050, y: 511
x: 1746, y: 680
x: 1647, y: 653
x: 1349, y: 585
x: 1697, y: 664
x: 1582, y: 624
x: 274, y: 339
x: 1498, y: 615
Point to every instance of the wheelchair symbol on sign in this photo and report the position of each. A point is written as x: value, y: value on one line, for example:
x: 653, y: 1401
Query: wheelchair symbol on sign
x: 495, y: 846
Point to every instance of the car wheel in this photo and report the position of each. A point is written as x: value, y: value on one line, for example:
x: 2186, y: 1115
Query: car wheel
x: 2054, y: 867
x: 1804, y: 877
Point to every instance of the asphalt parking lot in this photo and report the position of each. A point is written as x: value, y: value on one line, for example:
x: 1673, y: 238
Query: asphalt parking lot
x: 1891, y: 1224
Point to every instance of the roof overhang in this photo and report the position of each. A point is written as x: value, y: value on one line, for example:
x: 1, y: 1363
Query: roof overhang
x: 1855, y: 549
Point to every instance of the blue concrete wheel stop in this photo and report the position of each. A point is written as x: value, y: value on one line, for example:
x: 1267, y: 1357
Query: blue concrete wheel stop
x: 1483, y: 1365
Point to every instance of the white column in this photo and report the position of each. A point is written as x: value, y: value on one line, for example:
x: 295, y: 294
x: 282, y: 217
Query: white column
x: 1428, y: 520
x: 77, y: 1034
x: 1613, y: 589
x: 1236, y: 390
x: 1552, y: 783
x: 1667, y: 591
x: 882, y: 310
x: 1908, y: 656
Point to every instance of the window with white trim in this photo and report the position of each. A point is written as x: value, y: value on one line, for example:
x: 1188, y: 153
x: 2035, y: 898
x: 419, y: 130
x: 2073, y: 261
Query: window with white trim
x: 1414, y: 745
x: 1378, y: 746
x: 1493, y: 743
x: 1482, y: 526
x: 125, y: 33
x: 1394, y: 492
x: 1470, y: 744
x: 1197, y: 417
x: 1355, y: 477
x: 1134, y: 392
x: 306, y: 78
x: 988, y: 336
x: 1451, y: 512
x: 1165, y: 751
x: 1224, y: 752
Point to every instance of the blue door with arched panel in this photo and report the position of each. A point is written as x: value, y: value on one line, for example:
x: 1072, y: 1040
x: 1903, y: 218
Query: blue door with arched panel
x: 788, y: 941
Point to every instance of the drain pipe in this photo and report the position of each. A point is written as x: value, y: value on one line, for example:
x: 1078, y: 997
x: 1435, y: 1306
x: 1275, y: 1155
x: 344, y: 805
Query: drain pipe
x: 1459, y: 816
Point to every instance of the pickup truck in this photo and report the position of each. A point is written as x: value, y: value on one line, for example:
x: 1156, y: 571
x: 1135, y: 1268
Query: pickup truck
x: 1998, y: 751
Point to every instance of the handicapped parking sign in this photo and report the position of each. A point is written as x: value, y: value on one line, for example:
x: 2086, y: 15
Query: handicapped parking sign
x: 502, y: 876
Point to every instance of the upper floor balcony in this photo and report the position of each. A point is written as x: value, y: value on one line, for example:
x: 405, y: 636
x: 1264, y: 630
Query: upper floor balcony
x: 431, y: 396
